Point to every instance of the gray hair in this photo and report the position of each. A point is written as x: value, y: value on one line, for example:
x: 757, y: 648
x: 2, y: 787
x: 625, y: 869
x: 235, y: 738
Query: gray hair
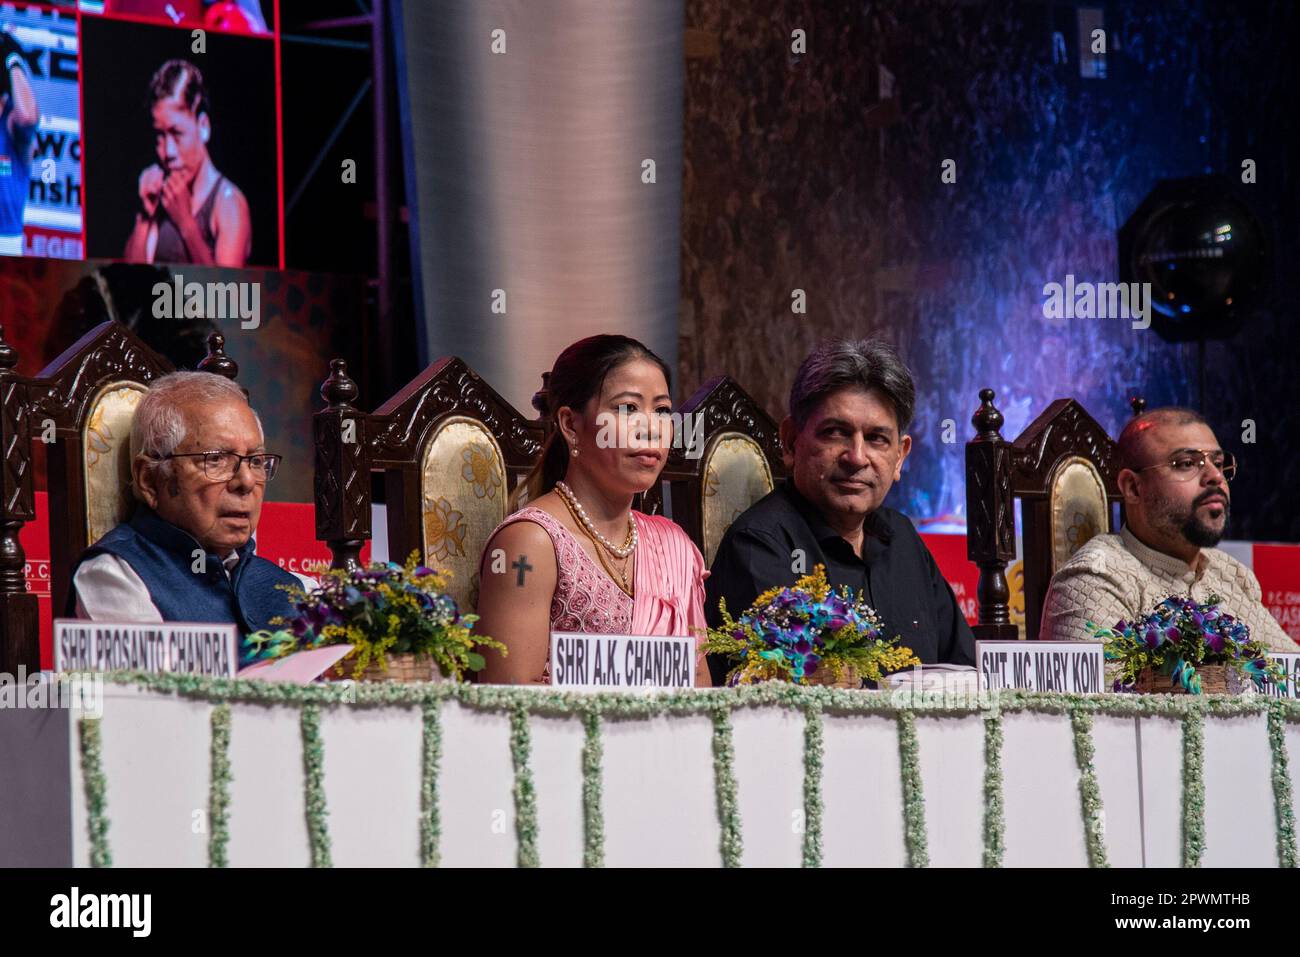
x: 868, y: 364
x: 159, y: 427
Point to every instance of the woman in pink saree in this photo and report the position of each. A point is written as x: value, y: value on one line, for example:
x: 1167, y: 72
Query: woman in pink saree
x: 578, y: 558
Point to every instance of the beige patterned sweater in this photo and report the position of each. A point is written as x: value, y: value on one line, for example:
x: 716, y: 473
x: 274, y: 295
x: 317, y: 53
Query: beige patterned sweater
x: 1114, y: 577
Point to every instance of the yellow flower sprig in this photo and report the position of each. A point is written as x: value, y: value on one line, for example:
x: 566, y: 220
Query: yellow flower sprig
x: 760, y: 646
x: 397, y: 620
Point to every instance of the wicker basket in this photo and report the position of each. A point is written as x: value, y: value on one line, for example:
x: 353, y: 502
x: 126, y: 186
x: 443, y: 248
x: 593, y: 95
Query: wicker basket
x: 849, y: 678
x: 406, y: 668
x: 1215, y: 679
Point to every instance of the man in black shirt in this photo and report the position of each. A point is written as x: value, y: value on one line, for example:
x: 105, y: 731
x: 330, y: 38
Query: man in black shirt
x: 844, y: 443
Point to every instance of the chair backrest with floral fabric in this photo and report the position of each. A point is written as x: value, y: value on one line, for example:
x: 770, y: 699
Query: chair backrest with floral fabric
x: 736, y: 475
x: 1062, y: 468
x: 80, y: 408
x: 450, y: 449
x: 733, y: 462
x: 106, y: 450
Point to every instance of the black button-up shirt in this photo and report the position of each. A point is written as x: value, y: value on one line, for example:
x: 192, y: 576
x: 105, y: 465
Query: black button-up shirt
x: 896, y: 572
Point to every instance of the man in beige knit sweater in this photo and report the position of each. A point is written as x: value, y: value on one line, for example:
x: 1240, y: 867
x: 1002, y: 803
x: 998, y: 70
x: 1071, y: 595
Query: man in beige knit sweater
x: 1174, y: 481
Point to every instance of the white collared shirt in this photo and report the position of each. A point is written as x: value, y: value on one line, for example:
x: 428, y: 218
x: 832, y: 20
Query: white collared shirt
x: 108, y: 589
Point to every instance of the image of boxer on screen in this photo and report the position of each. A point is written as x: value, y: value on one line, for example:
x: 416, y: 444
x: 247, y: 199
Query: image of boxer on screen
x: 189, y: 212
x: 19, y: 115
x: 232, y: 16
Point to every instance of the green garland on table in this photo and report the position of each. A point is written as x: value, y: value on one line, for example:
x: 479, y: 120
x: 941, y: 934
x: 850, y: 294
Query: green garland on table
x: 313, y: 759
x: 813, y: 753
x: 524, y: 791
x: 724, y: 784
x: 1193, y: 788
x: 430, y: 756
x: 1286, y: 846
x: 92, y: 777
x: 1085, y: 751
x: 593, y: 814
x: 219, y: 788
x: 995, y: 824
x: 504, y: 698
x: 718, y: 704
x: 914, y: 836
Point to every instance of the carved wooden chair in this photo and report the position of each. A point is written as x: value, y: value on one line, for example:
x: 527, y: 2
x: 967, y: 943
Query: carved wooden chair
x: 450, y: 450
x: 737, y: 464
x: 80, y: 406
x: 1063, y: 469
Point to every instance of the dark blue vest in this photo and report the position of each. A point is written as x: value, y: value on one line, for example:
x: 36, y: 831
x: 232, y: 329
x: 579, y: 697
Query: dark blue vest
x: 163, y: 555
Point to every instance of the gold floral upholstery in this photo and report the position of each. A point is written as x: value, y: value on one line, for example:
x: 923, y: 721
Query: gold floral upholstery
x: 1078, y: 507
x: 736, y: 475
x: 107, y: 445
x: 1016, y: 604
x: 463, y: 495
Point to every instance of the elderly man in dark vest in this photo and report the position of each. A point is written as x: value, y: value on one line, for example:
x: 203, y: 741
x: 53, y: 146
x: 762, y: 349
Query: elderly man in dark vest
x: 199, y: 470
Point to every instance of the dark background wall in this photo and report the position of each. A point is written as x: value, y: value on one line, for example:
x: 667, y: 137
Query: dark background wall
x: 798, y: 173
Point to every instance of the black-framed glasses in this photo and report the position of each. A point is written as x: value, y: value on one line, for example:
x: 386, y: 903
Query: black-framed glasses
x: 222, y: 466
x: 1187, y: 464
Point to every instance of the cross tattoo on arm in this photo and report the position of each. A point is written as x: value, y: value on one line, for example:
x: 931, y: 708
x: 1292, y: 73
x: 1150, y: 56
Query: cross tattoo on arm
x: 522, y: 565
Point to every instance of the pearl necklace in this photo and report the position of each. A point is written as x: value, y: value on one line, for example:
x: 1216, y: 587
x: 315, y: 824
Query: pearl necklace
x: 629, y: 543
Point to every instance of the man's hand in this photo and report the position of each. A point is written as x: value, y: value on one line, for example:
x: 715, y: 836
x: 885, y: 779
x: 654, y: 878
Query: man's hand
x: 176, y: 199
x: 151, y: 186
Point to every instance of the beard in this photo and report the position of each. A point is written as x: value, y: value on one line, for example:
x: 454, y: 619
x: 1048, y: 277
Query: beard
x: 1190, y: 525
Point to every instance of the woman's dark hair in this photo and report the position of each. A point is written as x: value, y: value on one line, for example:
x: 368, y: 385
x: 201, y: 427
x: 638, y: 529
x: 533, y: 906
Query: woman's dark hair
x: 180, y: 79
x: 577, y: 378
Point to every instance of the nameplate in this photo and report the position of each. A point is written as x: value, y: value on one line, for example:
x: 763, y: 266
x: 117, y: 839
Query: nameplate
x: 1070, y: 666
x: 1290, y: 662
x: 621, y: 662
x: 170, y: 647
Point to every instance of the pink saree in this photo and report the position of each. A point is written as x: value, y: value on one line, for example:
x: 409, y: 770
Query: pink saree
x: 669, y: 584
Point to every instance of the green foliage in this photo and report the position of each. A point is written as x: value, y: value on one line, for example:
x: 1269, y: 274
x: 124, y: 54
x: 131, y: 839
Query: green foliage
x: 379, y: 610
x: 1180, y: 635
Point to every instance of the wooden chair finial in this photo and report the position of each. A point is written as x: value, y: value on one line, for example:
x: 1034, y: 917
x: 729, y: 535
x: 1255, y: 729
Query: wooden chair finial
x: 542, y: 396
x: 1138, y: 405
x: 216, y: 361
x: 987, y: 419
x: 338, y: 390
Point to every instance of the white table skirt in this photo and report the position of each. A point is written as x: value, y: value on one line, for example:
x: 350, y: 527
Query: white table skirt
x: 657, y: 775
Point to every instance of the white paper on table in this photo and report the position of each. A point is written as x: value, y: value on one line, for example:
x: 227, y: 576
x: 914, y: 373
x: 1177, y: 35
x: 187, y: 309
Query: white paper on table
x: 301, y: 667
x: 956, y: 678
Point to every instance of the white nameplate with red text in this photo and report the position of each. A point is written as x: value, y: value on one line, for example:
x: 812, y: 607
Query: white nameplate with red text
x: 1075, y: 667
x: 621, y: 662
x: 166, y: 647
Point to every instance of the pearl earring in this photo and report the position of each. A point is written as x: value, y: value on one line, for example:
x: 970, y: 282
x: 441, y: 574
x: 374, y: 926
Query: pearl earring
x: 575, y: 452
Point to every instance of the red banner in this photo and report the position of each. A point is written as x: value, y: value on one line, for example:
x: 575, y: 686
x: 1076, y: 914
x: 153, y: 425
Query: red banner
x: 963, y: 575
x: 1278, y: 569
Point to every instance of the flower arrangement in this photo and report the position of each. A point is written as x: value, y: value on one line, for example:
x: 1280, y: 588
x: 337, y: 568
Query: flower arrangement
x: 1180, y: 635
x: 381, y: 609
x: 790, y: 633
